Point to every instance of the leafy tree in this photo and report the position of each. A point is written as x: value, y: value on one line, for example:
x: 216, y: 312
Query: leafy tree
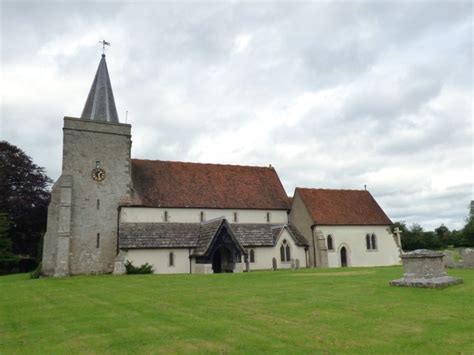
x: 468, y: 233
x: 444, y: 236
x: 24, y: 196
x: 7, y: 259
x: 416, y: 238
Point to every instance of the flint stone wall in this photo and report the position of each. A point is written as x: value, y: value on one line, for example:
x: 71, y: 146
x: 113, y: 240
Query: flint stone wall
x: 83, y: 213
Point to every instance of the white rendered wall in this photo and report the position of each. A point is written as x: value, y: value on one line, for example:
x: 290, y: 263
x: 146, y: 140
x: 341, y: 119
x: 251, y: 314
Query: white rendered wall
x: 264, y: 255
x: 353, y: 238
x: 159, y: 258
x: 193, y: 215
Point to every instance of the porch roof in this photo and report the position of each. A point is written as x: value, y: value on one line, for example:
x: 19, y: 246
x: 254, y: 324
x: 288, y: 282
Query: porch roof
x: 198, y: 235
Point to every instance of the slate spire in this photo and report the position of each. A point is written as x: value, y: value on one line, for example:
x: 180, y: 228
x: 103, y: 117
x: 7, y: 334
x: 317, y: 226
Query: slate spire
x: 100, y: 104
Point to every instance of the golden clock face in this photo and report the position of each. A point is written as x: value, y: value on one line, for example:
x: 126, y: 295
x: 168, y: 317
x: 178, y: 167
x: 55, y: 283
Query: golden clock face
x: 98, y: 174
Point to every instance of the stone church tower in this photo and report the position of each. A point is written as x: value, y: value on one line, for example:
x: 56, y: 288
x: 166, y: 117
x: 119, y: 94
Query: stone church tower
x: 81, y: 236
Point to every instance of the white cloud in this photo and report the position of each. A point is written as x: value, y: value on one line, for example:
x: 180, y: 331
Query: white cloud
x: 241, y: 42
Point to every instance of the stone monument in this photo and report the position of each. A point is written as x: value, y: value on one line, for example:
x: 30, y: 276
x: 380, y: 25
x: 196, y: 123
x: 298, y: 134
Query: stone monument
x: 424, y: 268
x: 467, y: 255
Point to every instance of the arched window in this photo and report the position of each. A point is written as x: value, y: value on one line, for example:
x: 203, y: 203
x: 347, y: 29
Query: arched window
x: 252, y: 256
x: 330, y: 247
x: 374, y: 241
x: 367, y: 241
x: 285, y: 251
x: 171, y: 259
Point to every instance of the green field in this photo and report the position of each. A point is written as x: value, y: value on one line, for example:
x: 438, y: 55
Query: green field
x: 335, y: 311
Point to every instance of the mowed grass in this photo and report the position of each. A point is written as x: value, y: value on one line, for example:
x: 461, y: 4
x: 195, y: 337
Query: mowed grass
x: 351, y: 310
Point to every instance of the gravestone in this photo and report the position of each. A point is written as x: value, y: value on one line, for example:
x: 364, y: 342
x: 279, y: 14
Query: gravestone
x: 449, y: 259
x: 424, y: 268
x: 467, y: 255
x: 274, y: 264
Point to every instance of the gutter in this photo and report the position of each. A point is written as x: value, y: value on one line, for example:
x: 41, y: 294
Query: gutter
x: 118, y: 229
x: 313, y: 227
x: 190, y: 264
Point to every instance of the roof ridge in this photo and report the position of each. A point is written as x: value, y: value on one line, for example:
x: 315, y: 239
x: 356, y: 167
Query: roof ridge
x: 221, y: 218
x: 278, y: 225
x: 200, y: 163
x: 327, y: 189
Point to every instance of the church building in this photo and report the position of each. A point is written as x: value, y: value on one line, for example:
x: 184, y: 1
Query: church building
x: 108, y: 209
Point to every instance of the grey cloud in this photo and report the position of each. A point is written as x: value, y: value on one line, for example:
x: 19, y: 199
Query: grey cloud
x: 400, y: 73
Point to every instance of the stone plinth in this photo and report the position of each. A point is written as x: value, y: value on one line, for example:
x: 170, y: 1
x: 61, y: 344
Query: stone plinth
x: 239, y: 267
x: 119, y: 264
x: 424, y: 268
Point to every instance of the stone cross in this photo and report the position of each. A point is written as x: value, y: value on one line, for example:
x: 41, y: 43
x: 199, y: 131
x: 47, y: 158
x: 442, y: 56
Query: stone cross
x: 398, y: 240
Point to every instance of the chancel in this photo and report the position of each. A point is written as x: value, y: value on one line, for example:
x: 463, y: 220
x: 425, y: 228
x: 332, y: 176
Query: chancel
x: 107, y: 208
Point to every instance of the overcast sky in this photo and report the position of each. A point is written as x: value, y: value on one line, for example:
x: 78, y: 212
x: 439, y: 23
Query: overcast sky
x: 333, y: 95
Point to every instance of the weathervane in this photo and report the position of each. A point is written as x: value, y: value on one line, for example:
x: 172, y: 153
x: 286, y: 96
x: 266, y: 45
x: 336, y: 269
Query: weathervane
x: 104, y: 43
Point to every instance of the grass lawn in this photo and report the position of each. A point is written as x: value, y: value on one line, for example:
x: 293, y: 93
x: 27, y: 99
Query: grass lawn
x: 336, y: 311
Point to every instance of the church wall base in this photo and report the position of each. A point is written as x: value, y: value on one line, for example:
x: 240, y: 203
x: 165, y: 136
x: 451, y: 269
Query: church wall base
x: 203, y: 269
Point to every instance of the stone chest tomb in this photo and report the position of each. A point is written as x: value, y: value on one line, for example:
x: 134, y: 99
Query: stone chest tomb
x: 424, y: 268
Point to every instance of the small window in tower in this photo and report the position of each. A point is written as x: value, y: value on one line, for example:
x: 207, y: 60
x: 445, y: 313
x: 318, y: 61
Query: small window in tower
x: 201, y: 218
x: 268, y: 216
x: 166, y: 216
x: 97, y: 164
x: 235, y: 217
x: 98, y: 203
x: 97, y: 243
x: 171, y: 259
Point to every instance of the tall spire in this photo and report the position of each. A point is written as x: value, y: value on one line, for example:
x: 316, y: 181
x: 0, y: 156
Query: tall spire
x: 100, y: 104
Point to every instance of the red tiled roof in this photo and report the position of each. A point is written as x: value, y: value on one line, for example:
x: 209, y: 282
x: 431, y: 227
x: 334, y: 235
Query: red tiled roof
x: 178, y: 184
x: 342, y: 207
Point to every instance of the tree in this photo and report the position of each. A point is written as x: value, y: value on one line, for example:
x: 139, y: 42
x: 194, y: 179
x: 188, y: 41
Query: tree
x: 444, y: 236
x: 7, y: 259
x: 24, y: 197
x: 468, y: 234
x: 416, y: 238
